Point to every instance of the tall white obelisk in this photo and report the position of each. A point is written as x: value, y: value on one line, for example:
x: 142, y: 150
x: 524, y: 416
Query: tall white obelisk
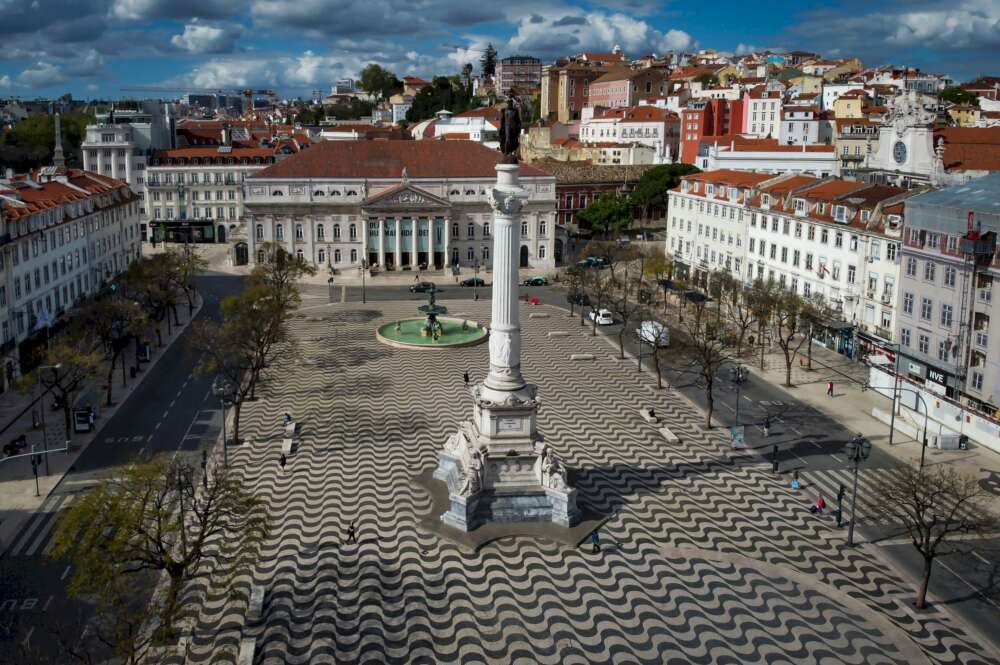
x: 497, y: 465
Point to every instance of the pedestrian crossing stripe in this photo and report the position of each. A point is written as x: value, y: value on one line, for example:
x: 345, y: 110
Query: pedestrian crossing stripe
x: 38, y: 529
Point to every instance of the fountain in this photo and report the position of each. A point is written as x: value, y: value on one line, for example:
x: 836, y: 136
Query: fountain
x: 434, y: 331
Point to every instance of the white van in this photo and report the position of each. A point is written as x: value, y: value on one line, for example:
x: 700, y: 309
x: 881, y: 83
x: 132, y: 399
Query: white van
x: 653, y: 332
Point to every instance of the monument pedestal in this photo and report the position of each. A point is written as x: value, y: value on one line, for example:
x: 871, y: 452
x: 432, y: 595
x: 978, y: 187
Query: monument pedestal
x: 497, y: 466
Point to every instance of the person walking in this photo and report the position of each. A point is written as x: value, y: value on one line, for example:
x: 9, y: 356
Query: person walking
x: 795, y: 479
x: 829, y: 388
x: 595, y: 540
x: 352, y: 534
x: 767, y: 426
x: 282, y: 461
x: 466, y: 377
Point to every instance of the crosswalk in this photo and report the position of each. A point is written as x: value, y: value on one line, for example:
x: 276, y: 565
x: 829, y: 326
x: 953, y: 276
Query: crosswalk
x: 36, y: 536
x: 826, y: 483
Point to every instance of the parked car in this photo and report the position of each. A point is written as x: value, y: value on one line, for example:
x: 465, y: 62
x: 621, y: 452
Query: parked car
x: 603, y: 317
x: 16, y: 447
x: 592, y: 262
x: 581, y: 299
x: 645, y: 295
x: 653, y: 333
x: 421, y: 287
x: 537, y: 280
x: 473, y: 281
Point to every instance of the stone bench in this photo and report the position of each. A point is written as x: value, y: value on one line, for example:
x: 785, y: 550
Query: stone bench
x: 559, y: 333
x: 286, y: 446
x: 538, y: 315
x: 669, y: 436
x: 582, y: 356
x: 647, y: 415
x: 256, y: 606
x: 248, y: 645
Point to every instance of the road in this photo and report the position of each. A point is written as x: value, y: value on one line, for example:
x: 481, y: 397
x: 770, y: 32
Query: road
x: 170, y: 410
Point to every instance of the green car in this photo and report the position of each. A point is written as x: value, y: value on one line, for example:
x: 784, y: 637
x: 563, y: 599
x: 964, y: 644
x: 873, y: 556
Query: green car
x: 473, y: 281
x: 592, y: 262
x: 537, y: 280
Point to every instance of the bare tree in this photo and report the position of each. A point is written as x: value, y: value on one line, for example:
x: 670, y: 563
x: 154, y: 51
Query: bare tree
x: 790, y: 319
x: 114, y: 320
x: 573, y: 279
x: 939, y: 507
x: 601, y: 287
x: 707, y: 346
x: 187, y: 263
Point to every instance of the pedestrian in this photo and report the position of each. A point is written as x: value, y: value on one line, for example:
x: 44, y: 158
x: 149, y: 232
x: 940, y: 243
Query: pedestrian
x: 795, y: 479
x: 595, y: 541
x: 829, y: 388
x: 416, y: 278
x: 288, y: 418
x: 282, y: 461
x: 767, y: 426
x: 820, y: 506
x: 466, y: 377
x: 352, y: 534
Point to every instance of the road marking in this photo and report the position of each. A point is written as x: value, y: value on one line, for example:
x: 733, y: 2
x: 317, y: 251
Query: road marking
x: 747, y: 398
x: 980, y: 557
x: 172, y: 402
x: 141, y: 451
x: 65, y: 573
x: 45, y: 607
x: 137, y: 439
x: 836, y: 458
x: 970, y: 585
x: 27, y: 638
x: 158, y: 425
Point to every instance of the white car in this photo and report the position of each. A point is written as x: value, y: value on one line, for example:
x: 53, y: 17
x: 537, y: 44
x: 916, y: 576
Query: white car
x: 653, y: 333
x: 602, y: 316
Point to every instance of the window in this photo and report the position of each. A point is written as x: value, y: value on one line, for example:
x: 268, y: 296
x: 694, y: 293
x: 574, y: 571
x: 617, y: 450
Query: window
x: 541, y: 251
x: 891, y: 249
x: 320, y: 234
x: 946, y: 314
x: 982, y: 339
x: 279, y: 232
x: 354, y: 255
x: 838, y: 239
x: 911, y: 267
x: 321, y: 256
x: 524, y: 229
x: 795, y: 258
x: 541, y: 229
x: 908, y: 303
x: 299, y: 235
x: 949, y: 276
x: 904, y: 337
x: 811, y: 232
x: 752, y: 243
x: 470, y: 231
x: 809, y: 261
x: 784, y: 255
x: 486, y: 229
x: 930, y: 270
x: 977, y: 380
x: 824, y: 236
x: 926, y: 309
x: 924, y: 344
x: 942, y: 353
x: 352, y: 232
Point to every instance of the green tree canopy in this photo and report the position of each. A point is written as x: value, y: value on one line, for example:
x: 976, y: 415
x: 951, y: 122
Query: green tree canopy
x: 608, y: 213
x: 443, y: 93
x: 958, y: 95
x: 488, y: 63
x: 29, y: 143
x: 380, y: 82
x: 653, y: 187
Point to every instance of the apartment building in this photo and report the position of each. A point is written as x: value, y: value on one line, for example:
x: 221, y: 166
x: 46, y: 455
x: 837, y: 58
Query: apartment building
x: 520, y: 72
x: 65, y: 232
x: 645, y: 125
x: 817, y: 237
x: 949, y: 334
x: 762, y: 111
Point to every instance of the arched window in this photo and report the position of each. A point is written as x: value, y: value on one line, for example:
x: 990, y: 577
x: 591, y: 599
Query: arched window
x: 454, y: 192
x: 277, y: 192
x: 353, y: 231
x: 322, y: 256
x: 471, y: 254
x: 470, y: 192
x: 486, y: 253
x: 334, y: 192
x: 260, y: 232
x: 320, y: 232
x: 471, y: 230
x: 260, y: 256
x: 352, y: 192
x: 279, y: 232
x: 336, y: 256
x: 298, y: 232
x: 299, y: 255
x: 524, y: 228
x: 336, y: 231
x: 319, y: 192
x: 354, y: 256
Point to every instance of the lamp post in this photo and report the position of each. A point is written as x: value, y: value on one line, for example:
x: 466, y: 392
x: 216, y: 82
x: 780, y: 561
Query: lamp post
x: 221, y: 388
x: 329, y: 284
x: 858, y: 451
x: 923, y: 403
x: 45, y: 438
x: 364, y: 269
x: 475, y: 281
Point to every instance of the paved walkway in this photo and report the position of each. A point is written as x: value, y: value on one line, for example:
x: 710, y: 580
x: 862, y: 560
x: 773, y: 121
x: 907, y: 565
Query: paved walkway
x: 707, y: 558
x: 18, y: 498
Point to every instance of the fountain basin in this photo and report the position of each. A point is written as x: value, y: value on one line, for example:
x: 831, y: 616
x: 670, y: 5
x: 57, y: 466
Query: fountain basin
x: 409, y: 334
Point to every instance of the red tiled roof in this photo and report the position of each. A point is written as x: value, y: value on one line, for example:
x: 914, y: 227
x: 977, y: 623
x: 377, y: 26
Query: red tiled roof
x: 386, y: 159
x: 209, y: 151
x: 731, y: 177
x: 828, y: 191
x: 414, y: 80
x: 970, y: 148
x: 53, y: 194
x: 744, y: 144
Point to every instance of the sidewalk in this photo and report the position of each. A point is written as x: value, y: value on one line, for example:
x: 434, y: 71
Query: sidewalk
x: 853, y: 408
x: 17, y: 482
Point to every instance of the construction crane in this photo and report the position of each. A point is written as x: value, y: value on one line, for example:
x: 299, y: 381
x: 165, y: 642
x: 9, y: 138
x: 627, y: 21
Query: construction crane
x: 248, y: 93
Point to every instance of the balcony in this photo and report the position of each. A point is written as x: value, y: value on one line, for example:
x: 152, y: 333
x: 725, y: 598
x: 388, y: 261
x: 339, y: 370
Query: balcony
x: 852, y: 158
x: 883, y: 332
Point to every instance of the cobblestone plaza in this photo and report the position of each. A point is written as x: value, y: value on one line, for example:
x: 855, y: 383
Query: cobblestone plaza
x: 706, y: 557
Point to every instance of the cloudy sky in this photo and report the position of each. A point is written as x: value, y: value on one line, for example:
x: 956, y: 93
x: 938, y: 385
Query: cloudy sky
x: 96, y: 47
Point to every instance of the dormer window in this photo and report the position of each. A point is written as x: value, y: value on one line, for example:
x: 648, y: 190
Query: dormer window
x: 839, y: 213
x: 470, y: 192
x: 866, y: 215
x: 684, y: 186
x: 710, y: 190
x: 800, y: 206
x: 765, y: 200
x: 822, y: 208
x: 894, y: 220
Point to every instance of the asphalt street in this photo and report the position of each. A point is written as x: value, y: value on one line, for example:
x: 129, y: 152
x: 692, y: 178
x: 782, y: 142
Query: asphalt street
x: 171, y: 410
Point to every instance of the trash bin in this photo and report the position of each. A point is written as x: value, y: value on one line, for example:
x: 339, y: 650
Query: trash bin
x: 963, y: 442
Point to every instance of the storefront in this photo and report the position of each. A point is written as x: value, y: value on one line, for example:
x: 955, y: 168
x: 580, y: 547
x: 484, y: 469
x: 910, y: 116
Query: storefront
x: 836, y: 335
x: 868, y: 344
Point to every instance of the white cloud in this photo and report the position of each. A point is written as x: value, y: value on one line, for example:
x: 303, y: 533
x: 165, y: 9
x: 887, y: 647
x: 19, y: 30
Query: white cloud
x: 141, y: 10
x: 677, y: 40
x: 5, y: 81
x: 40, y: 75
x: 207, y: 38
x: 959, y: 25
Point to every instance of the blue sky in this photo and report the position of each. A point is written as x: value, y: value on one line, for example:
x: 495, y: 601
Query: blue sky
x: 96, y: 47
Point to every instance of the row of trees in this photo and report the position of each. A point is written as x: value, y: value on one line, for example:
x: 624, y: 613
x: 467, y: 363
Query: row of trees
x: 29, y: 143
x: 164, y: 519
x: 611, y: 213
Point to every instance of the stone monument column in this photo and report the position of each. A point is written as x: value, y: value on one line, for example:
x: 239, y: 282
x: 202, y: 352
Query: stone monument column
x: 505, y: 329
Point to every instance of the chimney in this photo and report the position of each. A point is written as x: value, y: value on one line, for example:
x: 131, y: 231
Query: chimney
x: 57, y: 154
x: 225, y: 135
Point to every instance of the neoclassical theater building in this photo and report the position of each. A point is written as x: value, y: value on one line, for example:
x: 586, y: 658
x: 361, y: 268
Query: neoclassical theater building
x: 397, y: 204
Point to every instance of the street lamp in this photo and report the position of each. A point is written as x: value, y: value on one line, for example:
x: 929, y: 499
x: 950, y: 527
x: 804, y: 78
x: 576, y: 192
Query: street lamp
x: 892, y: 421
x: 221, y: 388
x: 475, y: 281
x: 329, y: 283
x: 364, y: 269
x: 858, y: 450
x: 739, y: 376
x: 45, y: 439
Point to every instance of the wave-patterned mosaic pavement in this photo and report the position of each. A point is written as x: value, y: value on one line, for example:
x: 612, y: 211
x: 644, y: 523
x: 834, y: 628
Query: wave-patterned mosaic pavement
x: 705, y: 559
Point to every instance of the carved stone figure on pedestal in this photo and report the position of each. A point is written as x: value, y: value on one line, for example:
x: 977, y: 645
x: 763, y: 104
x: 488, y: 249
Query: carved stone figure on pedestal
x: 510, y: 129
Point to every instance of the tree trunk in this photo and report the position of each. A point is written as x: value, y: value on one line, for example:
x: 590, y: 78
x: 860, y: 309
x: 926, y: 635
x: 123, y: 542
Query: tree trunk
x: 67, y: 416
x: 177, y: 320
x: 571, y: 310
x: 924, y: 583
x: 710, y: 398
x: 111, y: 375
x: 788, y: 368
x: 237, y: 406
x: 173, y: 596
x: 621, y: 343
x: 809, y: 349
